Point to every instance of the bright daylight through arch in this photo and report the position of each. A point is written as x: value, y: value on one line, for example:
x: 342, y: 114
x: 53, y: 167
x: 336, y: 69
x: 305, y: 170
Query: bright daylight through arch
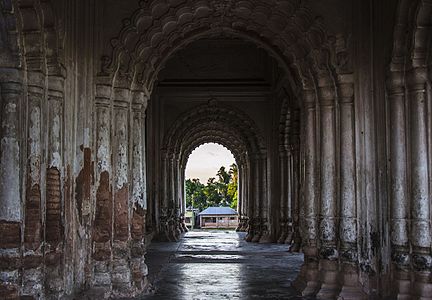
x: 211, y: 188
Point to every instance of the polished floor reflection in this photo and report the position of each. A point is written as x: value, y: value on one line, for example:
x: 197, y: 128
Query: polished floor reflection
x: 221, y: 265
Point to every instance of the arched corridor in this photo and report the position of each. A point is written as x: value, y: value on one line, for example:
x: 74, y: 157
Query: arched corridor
x: 326, y: 106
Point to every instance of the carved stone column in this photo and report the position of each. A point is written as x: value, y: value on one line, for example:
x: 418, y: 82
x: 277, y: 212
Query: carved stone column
x: 33, y: 272
x: 121, y: 275
x: 399, y: 207
x: 283, y: 201
x: 290, y: 198
x: 163, y: 222
x: 139, y: 198
x: 254, y: 204
x: 257, y: 220
x: 11, y: 93
x: 266, y: 222
x: 54, y: 224
x: 328, y: 188
x: 103, y: 222
x: 307, y: 282
x: 420, y: 202
x: 240, y: 203
x: 348, y: 204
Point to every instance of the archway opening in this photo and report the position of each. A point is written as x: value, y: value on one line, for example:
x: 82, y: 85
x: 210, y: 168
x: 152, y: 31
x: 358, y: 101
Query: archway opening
x: 211, y: 188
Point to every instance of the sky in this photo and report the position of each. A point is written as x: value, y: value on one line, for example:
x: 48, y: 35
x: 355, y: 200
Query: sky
x: 205, y: 161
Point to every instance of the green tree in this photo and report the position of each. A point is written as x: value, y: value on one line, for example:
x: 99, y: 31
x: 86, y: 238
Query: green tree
x: 232, y: 190
x: 217, y: 192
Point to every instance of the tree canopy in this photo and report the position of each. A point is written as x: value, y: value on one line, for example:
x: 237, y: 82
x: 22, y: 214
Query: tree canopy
x: 219, y: 191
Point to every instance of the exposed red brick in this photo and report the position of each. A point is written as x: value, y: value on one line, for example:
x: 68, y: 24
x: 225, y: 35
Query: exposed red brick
x: 102, y: 254
x: 84, y: 182
x: 104, y: 207
x: 33, y: 224
x: 138, y: 221
x: 9, y: 263
x: 121, y: 221
x: 9, y: 291
x: 10, y: 233
x: 53, y: 225
x: 53, y: 258
x: 32, y: 261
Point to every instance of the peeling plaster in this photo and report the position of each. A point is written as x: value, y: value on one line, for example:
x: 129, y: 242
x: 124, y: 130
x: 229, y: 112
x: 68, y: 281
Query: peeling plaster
x: 10, y: 197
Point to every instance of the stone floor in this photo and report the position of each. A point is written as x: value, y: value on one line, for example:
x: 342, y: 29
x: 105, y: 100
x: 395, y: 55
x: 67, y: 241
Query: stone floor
x: 221, y: 265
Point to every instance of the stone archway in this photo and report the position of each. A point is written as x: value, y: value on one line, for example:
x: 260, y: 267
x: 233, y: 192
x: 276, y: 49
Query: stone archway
x: 232, y: 128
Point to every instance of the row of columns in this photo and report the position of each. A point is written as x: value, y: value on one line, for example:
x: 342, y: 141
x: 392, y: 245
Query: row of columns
x: 119, y: 227
x: 329, y: 211
x: 32, y: 221
x: 409, y: 190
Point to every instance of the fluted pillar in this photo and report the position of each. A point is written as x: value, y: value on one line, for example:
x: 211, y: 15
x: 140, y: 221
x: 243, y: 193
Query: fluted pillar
x: 283, y: 200
x: 11, y: 93
x: 399, y: 199
x: 348, y: 204
x: 103, y: 222
x: 139, y: 197
x: 54, y: 224
x: 266, y: 222
x: 164, y: 199
x: 254, y: 208
x: 307, y: 281
x: 121, y: 275
x: 420, y: 202
x: 293, y: 234
x: 328, y: 193
x: 33, y: 273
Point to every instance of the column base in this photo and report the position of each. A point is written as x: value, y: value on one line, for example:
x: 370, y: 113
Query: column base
x: 249, y: 237
x: 266, y: 239
x: 422, y: 286
x: 33, y: 274
x: 307, y: 283
x: 289, y: 238
x: 282, y: 238
x: 402, y: 283
x: 330, y: 287
x: 256, y: 237
x: 351, y: 288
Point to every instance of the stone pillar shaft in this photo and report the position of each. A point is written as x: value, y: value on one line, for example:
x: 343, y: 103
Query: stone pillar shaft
x: 328, y: 185
x: 103, y: 223
x: 348, y: 205
x: 10, y: 196
x: 420, y: 202
x: 310, y: 197
x: 121, y: 275
x: 54, y: 211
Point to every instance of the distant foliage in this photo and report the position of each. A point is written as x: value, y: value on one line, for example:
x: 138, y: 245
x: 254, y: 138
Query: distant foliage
x: 219, y: 191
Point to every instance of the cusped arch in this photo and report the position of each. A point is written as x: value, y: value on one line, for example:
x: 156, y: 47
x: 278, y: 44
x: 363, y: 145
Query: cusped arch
x: 412, y: 42
x: 223, y: 141
x: 212, y: 123
x: 287, y: 29
x: 228, y: 141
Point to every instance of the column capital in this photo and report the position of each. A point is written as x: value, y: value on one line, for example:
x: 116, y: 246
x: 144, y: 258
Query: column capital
x: 122, y: 97
x: 416, y: 79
